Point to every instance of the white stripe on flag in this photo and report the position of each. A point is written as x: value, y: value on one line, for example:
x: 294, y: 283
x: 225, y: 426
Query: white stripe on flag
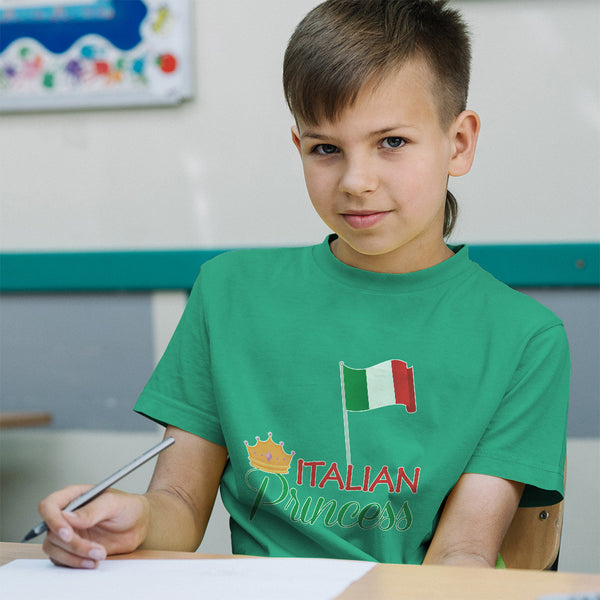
x: 380, y: 385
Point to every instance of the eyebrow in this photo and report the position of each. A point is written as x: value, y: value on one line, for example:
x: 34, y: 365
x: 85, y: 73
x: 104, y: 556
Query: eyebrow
x: 318, y: 136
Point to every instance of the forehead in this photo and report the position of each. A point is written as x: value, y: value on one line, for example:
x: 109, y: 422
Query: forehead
x: 404, y: 95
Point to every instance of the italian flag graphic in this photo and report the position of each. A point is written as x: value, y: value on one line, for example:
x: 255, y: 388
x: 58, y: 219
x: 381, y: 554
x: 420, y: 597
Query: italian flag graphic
x: 385, y: 384
x: 389, y: 383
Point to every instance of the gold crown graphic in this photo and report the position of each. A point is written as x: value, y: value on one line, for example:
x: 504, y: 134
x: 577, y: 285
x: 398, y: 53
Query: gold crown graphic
x: 268, y: 456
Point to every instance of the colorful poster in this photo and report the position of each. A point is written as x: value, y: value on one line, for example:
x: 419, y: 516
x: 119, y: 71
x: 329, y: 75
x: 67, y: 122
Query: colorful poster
x: 94, y: 53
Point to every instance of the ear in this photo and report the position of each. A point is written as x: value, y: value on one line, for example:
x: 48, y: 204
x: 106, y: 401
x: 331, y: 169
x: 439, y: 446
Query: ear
x: 464, y: 133
x: 296, y: 138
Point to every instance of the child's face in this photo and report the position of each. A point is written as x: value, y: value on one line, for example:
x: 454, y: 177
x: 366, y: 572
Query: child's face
x: 377, y: 175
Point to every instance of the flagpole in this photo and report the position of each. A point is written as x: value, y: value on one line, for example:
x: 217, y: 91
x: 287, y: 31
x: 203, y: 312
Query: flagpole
x: 345, y: 417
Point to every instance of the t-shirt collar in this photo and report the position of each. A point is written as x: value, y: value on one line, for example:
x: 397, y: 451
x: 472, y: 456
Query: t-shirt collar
x: 455, y: 266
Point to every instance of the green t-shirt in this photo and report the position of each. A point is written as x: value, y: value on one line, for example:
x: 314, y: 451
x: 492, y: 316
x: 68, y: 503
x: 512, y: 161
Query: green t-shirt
x: 350, y: 402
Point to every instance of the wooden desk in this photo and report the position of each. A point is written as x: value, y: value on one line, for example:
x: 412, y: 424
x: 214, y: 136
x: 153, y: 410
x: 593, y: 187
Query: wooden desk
x: 24, y: 419
x: 410, y: 582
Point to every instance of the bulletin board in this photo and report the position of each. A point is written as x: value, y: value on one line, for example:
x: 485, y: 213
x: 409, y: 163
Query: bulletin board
x: 66, y: 54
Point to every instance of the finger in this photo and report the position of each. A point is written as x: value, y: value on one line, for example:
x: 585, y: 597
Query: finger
x: 77, y: 542
x: 51, y: 507
x: 112, y: 520
x: 102, y: 508
x: 62, y: 557
x: 70, y: 546
x: 77, y: 553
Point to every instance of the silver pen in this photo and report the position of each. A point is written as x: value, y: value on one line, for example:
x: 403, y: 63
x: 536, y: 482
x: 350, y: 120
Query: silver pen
x: 103, y: 485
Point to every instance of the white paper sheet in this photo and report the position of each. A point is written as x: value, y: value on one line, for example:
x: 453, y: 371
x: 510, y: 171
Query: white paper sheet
x: 245, y: 578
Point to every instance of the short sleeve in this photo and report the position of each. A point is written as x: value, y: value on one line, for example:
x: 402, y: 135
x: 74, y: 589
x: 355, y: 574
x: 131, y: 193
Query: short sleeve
x: 526, y: 439
x: 179, y: 391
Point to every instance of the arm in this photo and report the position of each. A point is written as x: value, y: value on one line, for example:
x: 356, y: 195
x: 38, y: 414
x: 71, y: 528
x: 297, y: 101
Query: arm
x: 173, y: 514
x: 475, y: 519
x: 182, y: 492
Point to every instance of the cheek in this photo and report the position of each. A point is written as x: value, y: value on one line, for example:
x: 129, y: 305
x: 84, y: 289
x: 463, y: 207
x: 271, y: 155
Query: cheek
x: 420, y: 187
x: 411, y: 182
x: 430, y: 177
x: 318, y: 183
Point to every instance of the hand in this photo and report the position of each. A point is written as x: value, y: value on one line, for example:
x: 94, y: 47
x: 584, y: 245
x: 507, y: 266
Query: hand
x: 113, y: 523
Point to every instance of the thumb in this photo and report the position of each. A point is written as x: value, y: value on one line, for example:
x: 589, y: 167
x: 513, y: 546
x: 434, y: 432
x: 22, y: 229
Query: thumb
x: 104, y: 508
x: 83, y: 518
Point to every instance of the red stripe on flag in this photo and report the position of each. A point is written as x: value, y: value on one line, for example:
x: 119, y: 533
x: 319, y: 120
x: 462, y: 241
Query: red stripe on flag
x: 412, y: 403
x: 404, y: 385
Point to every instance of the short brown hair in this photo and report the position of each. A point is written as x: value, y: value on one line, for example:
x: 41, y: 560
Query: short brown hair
x: 341, y: 45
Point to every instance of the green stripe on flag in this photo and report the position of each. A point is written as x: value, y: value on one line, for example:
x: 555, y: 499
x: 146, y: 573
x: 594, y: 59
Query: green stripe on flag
x: 355, y: 389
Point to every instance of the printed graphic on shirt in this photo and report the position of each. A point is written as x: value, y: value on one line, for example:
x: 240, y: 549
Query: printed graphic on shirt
x: 268, y: 456
x: 306, y: 499
x: 390, y: 383
x: 387, y: 384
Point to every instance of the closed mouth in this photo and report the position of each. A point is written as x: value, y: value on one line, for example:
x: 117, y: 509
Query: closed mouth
x: 364, y: 219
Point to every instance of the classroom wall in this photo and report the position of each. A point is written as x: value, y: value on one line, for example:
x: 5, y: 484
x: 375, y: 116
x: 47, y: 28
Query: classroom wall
x: 220, y: 171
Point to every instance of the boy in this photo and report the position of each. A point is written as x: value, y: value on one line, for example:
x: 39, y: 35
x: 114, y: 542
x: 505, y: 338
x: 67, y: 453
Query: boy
x: 418, y: 400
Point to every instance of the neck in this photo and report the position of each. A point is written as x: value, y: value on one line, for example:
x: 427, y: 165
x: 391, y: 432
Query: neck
x: 402, y: 260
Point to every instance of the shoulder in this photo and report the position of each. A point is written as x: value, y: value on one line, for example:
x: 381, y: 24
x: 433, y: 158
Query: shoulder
x: 255, y: 259
x: 259, y: 268
x: 254, y: 256
x: 508, y: 305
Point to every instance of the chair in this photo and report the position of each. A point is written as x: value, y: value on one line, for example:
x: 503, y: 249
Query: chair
x: 533, y: 538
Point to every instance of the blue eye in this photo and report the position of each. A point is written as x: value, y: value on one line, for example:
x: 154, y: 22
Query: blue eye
x: 325, y: 149
x: 393, y: 142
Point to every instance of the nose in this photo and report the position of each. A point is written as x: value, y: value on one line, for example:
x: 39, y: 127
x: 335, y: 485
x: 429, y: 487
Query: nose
x: 358, y: 177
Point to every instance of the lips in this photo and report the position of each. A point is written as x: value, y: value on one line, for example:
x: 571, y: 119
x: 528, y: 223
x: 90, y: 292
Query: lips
x: 364, y: 220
